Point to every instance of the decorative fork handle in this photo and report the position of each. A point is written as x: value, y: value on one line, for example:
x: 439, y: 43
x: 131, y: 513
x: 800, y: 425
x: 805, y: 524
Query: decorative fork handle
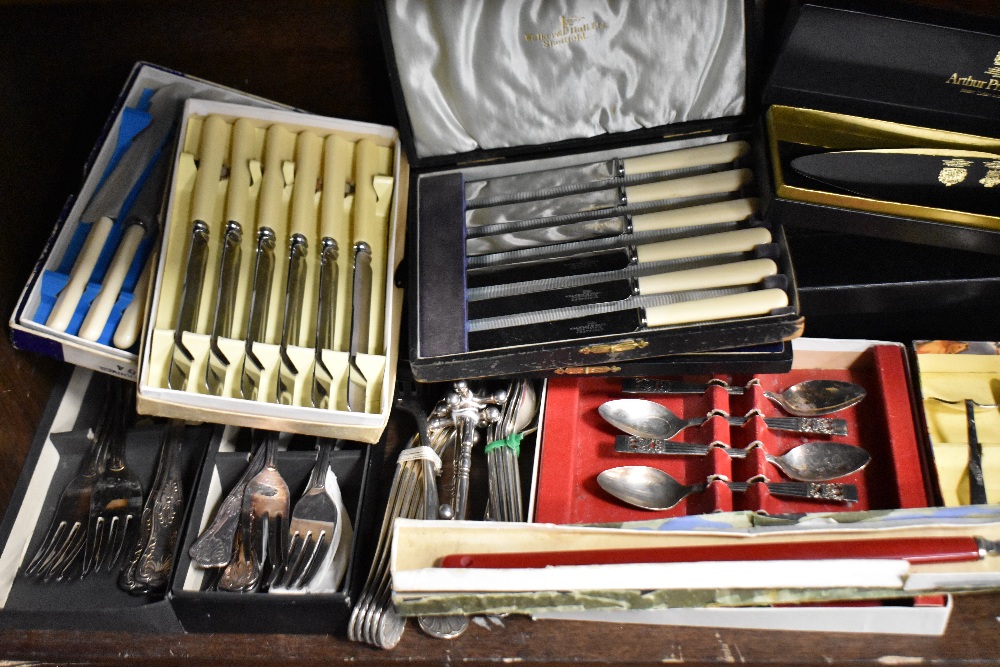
x: 156, y: 561
x: 214, y: 547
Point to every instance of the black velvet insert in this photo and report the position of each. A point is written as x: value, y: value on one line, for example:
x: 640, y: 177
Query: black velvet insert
x: 440, y: 282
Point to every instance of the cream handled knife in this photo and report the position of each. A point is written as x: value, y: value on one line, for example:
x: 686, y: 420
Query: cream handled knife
x: 500, y: 219
x: 550, y: 183
x: 141, y: 222
x: 105, y: 206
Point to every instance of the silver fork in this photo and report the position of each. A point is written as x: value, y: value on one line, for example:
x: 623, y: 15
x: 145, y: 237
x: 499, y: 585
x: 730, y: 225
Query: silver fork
x: 67, y: 531
x: 314, y: 520
x: 266, y: 505
x: 116, y: 502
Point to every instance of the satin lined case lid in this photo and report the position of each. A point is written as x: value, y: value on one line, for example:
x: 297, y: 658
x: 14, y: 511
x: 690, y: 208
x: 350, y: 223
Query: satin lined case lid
x: 488, y: 78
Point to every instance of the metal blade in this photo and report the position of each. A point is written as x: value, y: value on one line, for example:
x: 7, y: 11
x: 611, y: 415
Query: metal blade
x: 614, y: 290
x: 610, y: 260
x: 360, y: 315
x: 959, y: 180
x: 294, y: 291
x: 589, y: 327
x: 490, y: 192
x: 164, y: 109
x: 545, y: 208
x: 225, y: 301
x: 262, y: 275
x: 194, y: 276
x: 326, y: 315
x: 546, y: 236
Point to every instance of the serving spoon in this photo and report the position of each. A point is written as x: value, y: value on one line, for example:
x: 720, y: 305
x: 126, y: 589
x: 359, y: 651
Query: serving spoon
x: 808, y: 462
x: 652, y: 489
x: 647, y: 419
x: 810, y: 398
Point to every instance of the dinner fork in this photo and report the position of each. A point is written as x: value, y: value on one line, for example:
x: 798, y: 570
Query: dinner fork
x: 67, y: 533
x: 266, y: 505
x: 314, y: 520
x: 116, y: 501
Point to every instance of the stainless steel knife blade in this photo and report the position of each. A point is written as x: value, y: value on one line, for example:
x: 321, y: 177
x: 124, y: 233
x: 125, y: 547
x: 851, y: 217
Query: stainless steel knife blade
x: 294, y: 293
x: 357, y: 383
x: 194, y: 275
x: 325, y: 318
x: 260, y: 296
x: 225, y: 302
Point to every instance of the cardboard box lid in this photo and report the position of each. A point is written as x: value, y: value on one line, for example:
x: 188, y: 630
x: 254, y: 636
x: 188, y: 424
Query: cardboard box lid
x: 891, y: 69
x: 492, y: 80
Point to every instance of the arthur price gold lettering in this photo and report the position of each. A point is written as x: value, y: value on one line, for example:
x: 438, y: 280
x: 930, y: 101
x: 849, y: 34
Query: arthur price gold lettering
x: 989, y: 85
x: 571, y: 29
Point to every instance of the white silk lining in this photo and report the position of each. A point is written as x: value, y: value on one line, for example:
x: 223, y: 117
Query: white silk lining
x: 486, y: 74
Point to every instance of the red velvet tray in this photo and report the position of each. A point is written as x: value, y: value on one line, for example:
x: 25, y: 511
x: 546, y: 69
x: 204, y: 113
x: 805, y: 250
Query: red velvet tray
x: 577, y: 444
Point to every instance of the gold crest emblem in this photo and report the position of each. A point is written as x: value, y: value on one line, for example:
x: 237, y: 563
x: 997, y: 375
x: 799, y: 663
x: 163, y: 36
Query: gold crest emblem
x: 992, y: 178
x: 954, y: 171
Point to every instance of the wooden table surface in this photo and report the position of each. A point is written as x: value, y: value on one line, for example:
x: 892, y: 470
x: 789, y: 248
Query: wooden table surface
x: 61, y: 67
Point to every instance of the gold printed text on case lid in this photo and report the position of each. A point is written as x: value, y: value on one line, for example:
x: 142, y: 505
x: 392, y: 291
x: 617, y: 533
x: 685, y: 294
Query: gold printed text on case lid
x: 989, y: 86
x: 570, y: 29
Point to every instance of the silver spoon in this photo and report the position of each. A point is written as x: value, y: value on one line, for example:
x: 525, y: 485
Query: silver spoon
x: 652, y: 489
x: 817, y: 397
x: 646, y: 419
x: 809, y: 398
x: 808, y: 462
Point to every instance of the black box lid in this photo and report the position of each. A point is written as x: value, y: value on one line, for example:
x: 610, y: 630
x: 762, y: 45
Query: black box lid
x: 483, y: 81
x: 891, y: 69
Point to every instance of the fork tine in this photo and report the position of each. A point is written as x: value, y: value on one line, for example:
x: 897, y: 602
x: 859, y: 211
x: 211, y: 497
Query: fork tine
x: 47, y: 550
x: 312, y: 560
x: 277, y: 546
x: 66, y: 554
x: 296, y: 548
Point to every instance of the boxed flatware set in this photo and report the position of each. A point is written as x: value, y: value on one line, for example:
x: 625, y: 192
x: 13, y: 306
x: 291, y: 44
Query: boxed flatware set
x: 602, y: 405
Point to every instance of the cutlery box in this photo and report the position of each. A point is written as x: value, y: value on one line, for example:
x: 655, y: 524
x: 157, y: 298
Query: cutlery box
x: 316, y: 609
x: 28, y: 322
x: 375, y: 361
x: 94, y: 602
x: 527, y: 90
x: 955, y: 371
x: 577, y: 443
x: 849, y: 79
x: 895, y: 491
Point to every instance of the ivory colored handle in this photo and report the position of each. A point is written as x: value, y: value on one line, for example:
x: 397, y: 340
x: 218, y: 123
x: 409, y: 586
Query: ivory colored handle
x: 278, y: 146
x: 97, y: 316
x: 79, y: 276
x: 686, y: 158
x: 365, y: 158
x: 308, y: 152
x: 211, y: 153
x: 238, y: 193
x: 691, y: 186
x: 717, y: 213
x: 748, y: 304
x: 131, y: 321
x: 709, y: 277
x: 338, y: 161
x: 741, y: 240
